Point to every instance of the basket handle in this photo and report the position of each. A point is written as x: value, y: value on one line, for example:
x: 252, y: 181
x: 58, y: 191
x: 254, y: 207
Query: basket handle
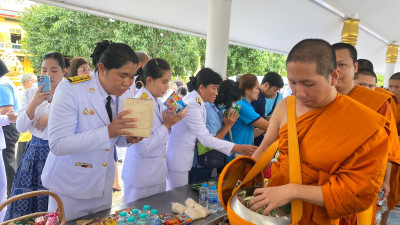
x: 60, y: 205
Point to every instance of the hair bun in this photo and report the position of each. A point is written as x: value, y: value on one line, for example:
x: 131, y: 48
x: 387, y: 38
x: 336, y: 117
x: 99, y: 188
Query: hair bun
x: 98, y: 50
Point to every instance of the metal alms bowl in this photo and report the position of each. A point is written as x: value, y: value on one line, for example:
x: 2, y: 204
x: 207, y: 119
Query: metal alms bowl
x: 283, y: 214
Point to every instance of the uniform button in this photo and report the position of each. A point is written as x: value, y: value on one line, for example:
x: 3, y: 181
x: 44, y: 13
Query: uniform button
x: 107, y: 149
x: 165, y: 143
x: 104, y: 164
x: 165, y: 156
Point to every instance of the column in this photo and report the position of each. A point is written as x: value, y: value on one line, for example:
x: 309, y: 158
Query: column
x: 391, y: 59
x: 219, y: 16
x: 350, y: 31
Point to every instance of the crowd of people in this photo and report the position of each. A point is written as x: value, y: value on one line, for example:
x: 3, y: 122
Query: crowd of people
x: 68, y: 136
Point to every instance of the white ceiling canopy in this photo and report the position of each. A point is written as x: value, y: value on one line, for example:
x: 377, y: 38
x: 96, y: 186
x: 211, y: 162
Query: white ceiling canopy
x: 270, y: 25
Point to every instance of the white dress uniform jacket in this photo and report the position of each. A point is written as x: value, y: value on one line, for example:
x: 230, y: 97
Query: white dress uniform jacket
x: 145, y: 167
x: 180, y: 148
x: 81, y: 162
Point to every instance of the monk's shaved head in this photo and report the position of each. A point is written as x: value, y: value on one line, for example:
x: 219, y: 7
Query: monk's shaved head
x: 315, y: 51
x: 395, y: 76
x: 366, y: 72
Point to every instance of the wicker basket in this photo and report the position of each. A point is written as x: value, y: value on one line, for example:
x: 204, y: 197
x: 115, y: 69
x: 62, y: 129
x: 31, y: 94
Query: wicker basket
x: 61, y: 214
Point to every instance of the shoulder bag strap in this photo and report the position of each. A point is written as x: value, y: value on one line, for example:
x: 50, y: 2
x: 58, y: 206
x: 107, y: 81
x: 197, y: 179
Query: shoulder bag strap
x: 294, y: 157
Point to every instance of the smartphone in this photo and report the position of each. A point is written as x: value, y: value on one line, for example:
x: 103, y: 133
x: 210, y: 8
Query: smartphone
x: 43, y: 79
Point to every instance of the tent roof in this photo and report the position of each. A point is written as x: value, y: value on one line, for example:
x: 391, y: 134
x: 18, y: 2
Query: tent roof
x: 264, y: 24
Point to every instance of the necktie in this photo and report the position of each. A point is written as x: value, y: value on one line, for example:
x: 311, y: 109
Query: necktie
x: 108, y: 108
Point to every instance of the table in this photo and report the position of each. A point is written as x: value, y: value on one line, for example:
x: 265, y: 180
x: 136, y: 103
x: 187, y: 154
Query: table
x: 162, y: 202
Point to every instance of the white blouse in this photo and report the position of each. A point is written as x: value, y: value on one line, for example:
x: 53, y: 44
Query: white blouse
x: 24, y: 123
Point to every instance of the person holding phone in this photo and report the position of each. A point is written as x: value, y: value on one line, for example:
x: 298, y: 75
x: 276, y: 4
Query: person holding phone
x: 33, y: 115
x: 86, y: 123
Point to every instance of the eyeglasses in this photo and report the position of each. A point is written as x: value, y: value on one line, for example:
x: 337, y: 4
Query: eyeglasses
x: 85, y: 70
x: 371, y: 86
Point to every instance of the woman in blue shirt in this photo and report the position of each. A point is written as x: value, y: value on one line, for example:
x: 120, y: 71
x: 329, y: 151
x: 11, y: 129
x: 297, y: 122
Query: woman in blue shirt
x: 243, y: 130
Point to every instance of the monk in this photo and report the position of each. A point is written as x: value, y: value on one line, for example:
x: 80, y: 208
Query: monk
x: 341, y: 173
x: 394, y: 88
x: 346, y: 57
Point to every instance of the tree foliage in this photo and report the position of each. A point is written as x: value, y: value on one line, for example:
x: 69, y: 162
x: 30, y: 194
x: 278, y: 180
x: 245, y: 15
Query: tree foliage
x: 75, y: 34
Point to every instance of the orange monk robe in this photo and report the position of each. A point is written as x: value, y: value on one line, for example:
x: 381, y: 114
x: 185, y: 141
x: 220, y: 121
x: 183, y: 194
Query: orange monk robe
x: 341, y: 152
x: 392, y: 100
x: 393, y: 197
x: 379, y: 103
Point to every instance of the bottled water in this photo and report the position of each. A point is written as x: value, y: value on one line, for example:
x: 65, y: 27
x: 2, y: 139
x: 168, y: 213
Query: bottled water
x: 219, y: 208
x: 122, y: 218
x: 203, y: 195
x: 153, y: 218
x: 146, y: 209
x: 131, y: 221
x: 212, y: 200
x: 135, y: 214
x: 143, y: 219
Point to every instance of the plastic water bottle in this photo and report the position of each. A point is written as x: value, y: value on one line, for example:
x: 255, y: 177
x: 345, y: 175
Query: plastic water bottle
x: 153, y: 218
x: 382, y: 211
x: 203, y: 195
x: 212, y: 200
x: 122, y: 218
x: 143, y: 219
x: 135, y: 214
x: 146, y: 209
x: 131, y: 221
x: 220, y: 207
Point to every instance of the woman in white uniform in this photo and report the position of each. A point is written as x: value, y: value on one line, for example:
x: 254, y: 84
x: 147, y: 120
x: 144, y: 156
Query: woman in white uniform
x: 85, y: 124
x: 180, y: 148
x: 33, y: 117
x: 145, y: 168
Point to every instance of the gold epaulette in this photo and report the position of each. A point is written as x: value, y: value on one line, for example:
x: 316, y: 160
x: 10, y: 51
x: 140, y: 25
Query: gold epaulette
x: 78, y: 79
x: 198, y: 100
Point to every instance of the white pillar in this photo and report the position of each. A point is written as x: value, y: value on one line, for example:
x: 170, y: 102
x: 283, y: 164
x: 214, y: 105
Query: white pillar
x: 219, y: 16
x: 389, y: 73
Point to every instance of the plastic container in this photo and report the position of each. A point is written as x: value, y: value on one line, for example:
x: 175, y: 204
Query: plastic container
x: 154, y: 219
x: 212, y: 200
x: 122, y: 218
x: 146, y: 209
x: 143, y: 219
x: 131, y: 221
x: 135, y: 214
x: 203, y: 195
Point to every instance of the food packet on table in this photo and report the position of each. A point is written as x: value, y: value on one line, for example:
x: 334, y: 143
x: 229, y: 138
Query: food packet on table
x: 190, y: 203
x: 193, y: 213
x: 178, y: 207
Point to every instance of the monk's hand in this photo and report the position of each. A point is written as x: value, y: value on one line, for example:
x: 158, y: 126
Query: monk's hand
x: 133, y: 139
x: 385, y: 188
x: 244, y: 149
x: 115, y: 128
x: 271, y: 198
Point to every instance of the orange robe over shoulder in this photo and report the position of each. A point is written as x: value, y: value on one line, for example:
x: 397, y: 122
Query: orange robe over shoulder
x: 379, y: 102
x: 393, y: 99
x: 350, y: 168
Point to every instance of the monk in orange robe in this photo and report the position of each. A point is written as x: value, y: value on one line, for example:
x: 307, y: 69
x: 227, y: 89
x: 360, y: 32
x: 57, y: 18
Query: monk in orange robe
x: 341, y: 172
x: 346, y: 56
x: 393, y: 198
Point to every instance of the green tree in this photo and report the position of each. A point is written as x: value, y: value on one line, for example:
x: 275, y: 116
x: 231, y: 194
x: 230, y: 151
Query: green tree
x: 74, y: 34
